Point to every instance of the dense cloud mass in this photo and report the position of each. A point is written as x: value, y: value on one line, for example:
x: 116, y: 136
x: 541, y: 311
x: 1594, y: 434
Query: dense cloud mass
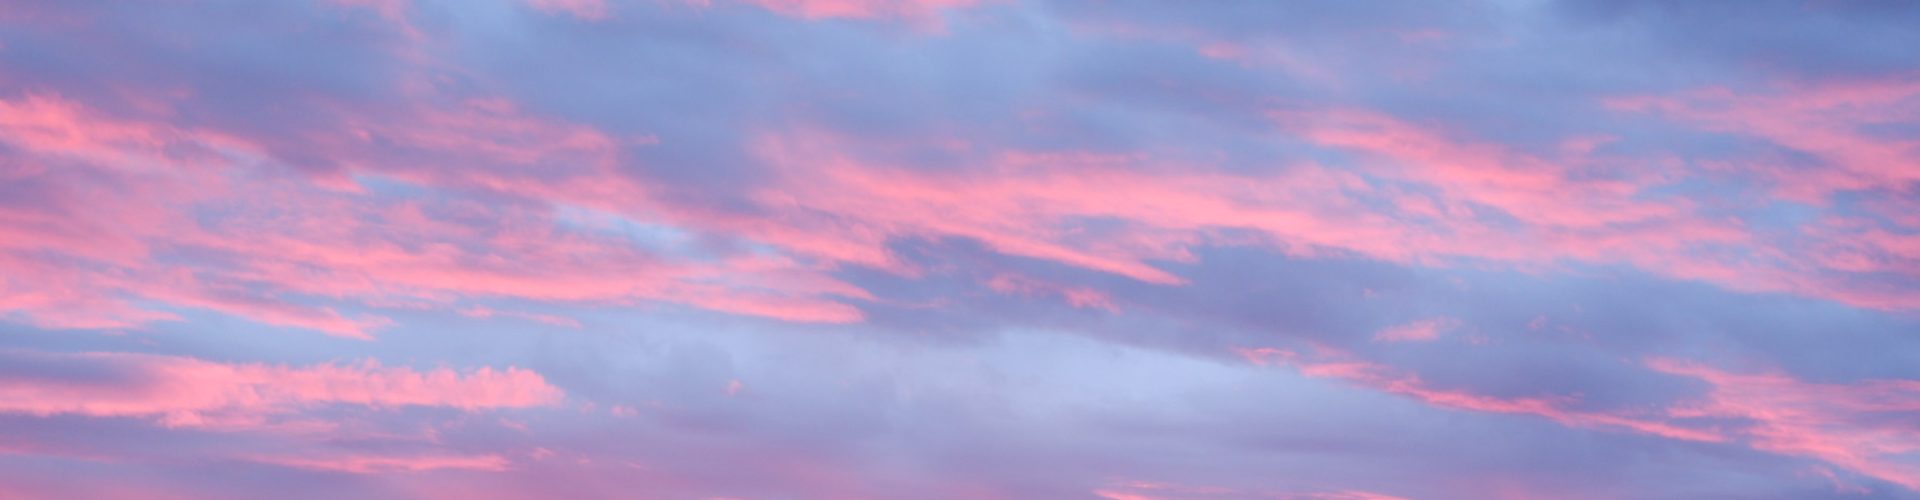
x: 959, y: 249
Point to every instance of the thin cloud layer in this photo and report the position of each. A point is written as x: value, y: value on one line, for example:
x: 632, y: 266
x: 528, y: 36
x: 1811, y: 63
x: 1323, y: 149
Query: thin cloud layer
x: 959, y: 249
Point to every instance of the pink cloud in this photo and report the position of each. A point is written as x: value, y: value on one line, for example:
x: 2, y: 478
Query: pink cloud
x: 1826, y: 120
x: 1387, y: 379
x: 1590, y: 208
x: 1831, y: 122
x: 1867, y: 427
x: 1418, y: 331
x: 1026, y: 205
x: 325, y: 197
x: 836, y: 206
x: 1077, y: 296
x: 377, y: 464
x: 828, y: 208
x: 276, y: 246
x: 1541, y: 191
x: 288, y: 252
x: 105, y: 184
x: 918, y: 10
x: 180, y: 391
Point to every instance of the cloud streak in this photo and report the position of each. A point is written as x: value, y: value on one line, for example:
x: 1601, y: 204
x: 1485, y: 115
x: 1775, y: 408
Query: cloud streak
x: 186, y: 392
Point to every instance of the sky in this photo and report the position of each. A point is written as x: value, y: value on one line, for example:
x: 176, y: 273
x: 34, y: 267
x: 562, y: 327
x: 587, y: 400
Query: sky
x: 959, y: 249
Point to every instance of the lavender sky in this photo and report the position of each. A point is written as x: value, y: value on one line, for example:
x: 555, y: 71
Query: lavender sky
x: 1053, y: 249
